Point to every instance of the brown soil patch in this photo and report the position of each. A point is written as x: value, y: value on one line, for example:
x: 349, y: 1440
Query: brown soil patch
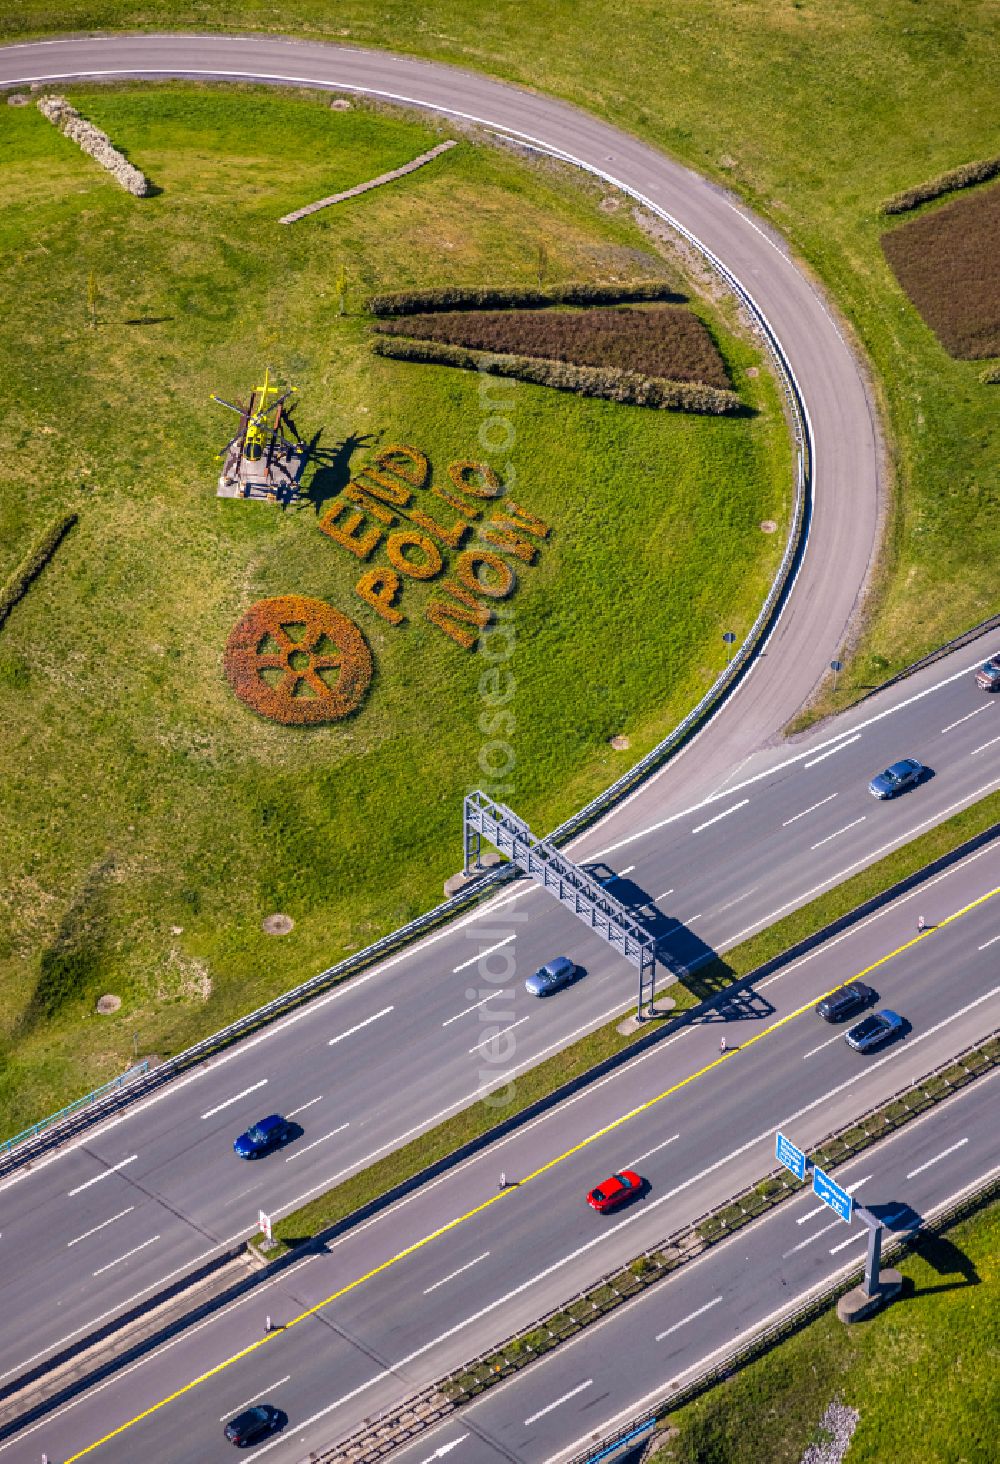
x: 665, y: 341
x: 946, y: 261
x: 108, y: 1004
x: 277, y: 924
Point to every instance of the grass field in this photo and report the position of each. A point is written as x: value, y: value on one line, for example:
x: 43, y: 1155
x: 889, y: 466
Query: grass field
x: 922, y: 1375
x: 815, y: 113
x: 149, y: 820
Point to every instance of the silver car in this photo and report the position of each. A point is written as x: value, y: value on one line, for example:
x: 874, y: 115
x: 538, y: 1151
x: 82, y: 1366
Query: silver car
x: 551, y: 977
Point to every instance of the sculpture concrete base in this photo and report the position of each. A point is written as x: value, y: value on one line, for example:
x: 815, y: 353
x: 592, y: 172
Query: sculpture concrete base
x: 858, y: 1306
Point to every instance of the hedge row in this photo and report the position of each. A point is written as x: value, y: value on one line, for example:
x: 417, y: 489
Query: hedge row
x: 30, y: 568
x: 964, y: 177
x: 415, y: 302
x: 612, y: 383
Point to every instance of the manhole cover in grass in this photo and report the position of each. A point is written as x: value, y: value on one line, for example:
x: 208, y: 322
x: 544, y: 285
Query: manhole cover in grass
x: 108, y: 1004
x: 277, y: 924
x: 768, y: 526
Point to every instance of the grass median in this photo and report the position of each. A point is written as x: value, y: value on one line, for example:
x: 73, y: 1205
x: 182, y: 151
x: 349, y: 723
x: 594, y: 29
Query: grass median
x: 606, y: 1042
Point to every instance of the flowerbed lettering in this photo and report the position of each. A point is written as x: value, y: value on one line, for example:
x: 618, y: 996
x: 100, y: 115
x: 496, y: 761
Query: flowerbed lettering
x: 469, y: 531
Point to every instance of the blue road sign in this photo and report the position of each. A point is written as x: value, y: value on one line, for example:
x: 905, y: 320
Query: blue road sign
x: 791, y: 1157
x: 831, y: 1194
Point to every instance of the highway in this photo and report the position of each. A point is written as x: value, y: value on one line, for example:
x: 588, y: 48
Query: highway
x: 141, y: 1200
x: 609, y: 1373
x: 111, y: 1219
x: 417, y: 1290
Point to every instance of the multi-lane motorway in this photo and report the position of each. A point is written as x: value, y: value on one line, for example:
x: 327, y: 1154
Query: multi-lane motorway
x: 137, y: 1202
x: 115, y: 1216
x: 647, y: 1350
x: 433, y: 1280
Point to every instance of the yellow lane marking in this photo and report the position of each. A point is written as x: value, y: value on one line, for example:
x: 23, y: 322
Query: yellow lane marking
x: 535, y: 1174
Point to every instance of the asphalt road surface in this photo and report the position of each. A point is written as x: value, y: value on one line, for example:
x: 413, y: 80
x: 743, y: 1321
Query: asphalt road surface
x: 596, y: 1384
x: 845, y: 521
x: 144, y: 1198
x: 458, y: 1265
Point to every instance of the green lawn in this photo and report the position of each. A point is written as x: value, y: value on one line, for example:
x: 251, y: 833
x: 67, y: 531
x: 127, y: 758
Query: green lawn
x: 923, y: 1375
x: 815, y: 113
x: 149, y: 820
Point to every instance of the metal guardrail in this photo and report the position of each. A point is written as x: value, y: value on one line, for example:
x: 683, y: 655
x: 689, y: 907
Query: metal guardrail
x: 379, y: 1436
x: 20, y: 1150
x: 992, y: 622
x: 683, y: 1245
x: 115, y: 1086
x: 982, y: 1193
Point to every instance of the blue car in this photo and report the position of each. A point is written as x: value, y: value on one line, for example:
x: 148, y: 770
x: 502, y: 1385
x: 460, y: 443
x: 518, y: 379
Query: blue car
x: 551, y: 977
x: 874, y: 1030
x: 902, y: 775
x: 268, y: 1134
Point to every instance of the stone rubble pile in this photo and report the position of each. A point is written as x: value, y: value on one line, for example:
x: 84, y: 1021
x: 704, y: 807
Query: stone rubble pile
x: 95, y: 143
x: 838, y: 1423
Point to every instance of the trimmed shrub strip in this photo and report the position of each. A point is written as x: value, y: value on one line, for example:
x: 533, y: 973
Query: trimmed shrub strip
x: 96, y: 144
x: 578, y: 292
x: 945, y: 260
x: 19, y: 583
x: 967, y: 176
x: 667, y: 341
x: 612, y: 383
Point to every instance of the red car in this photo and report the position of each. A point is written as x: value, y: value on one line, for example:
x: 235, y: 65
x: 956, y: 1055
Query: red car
x: 614, y: 1191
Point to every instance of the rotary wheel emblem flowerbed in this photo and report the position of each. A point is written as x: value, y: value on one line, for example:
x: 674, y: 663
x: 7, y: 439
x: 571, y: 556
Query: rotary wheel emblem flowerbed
x: 297, y: 660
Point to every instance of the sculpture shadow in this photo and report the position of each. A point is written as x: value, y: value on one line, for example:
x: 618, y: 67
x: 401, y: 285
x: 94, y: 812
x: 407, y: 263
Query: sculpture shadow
x: 331, y: 468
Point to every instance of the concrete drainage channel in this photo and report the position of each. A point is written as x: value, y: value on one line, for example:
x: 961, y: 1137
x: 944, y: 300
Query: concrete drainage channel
x: 401, y: 1425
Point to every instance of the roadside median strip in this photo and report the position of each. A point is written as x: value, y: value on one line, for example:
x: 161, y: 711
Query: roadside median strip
x: 399, y: 1425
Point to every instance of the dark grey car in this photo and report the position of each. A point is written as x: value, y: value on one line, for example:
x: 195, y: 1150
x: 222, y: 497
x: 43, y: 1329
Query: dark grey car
x: 845, y: 1002
x: 551, y: 977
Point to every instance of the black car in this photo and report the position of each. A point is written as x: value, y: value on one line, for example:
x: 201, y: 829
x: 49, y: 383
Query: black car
x: 845, y: 1002
x: 253, y: 1424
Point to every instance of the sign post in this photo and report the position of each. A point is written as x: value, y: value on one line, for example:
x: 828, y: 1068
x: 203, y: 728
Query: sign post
x: 264, y: 1225
x: 729, y: 637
